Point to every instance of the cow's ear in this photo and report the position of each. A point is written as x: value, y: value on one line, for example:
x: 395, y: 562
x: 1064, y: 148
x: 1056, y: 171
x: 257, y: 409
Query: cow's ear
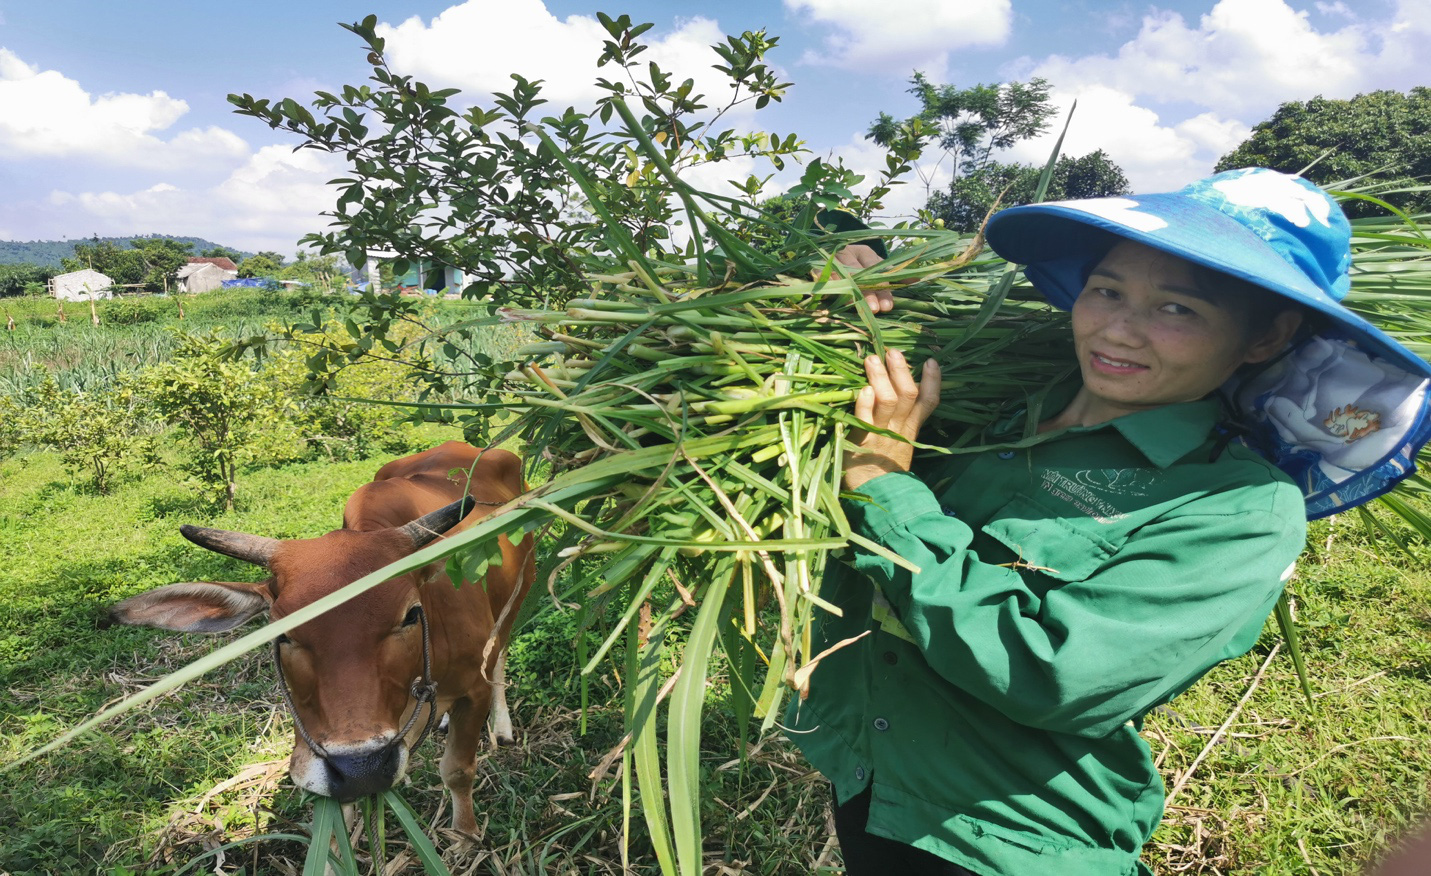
x: 196, y: 607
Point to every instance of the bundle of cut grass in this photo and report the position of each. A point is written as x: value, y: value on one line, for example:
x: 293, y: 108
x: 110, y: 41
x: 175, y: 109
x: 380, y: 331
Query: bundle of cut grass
x: 696, y: 440
x: 718, y: 417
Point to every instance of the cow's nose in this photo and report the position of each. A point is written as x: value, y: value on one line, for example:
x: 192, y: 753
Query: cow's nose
x: 354, y: 775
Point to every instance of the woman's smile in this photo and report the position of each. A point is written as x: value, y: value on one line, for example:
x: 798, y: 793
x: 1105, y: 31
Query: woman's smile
x: 1114, y: 365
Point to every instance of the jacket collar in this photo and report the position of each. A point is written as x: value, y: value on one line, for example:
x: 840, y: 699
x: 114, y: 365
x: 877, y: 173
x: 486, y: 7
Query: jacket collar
x: 1166, y: 434
x: 1163, y: 435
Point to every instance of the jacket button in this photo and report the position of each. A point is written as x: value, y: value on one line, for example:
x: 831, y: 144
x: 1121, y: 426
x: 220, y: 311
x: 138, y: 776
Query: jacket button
x: 859, y: 774
x: 891, y: 658
x: 881, y: 724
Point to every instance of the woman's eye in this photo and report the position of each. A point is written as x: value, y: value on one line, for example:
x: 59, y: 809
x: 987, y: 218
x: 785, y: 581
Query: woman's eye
x: 1178, y: 309
x: 413, y: 615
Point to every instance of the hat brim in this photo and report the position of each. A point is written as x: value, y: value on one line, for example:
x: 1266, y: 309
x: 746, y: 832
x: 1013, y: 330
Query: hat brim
x: 1059, y: 245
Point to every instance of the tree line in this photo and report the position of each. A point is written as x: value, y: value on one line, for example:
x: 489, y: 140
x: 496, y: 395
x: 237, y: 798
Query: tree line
x: 151, y: 264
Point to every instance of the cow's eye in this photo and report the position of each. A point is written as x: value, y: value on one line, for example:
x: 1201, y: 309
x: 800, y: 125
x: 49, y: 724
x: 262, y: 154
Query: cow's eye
x: 413, y: 615
x: 283, y: 639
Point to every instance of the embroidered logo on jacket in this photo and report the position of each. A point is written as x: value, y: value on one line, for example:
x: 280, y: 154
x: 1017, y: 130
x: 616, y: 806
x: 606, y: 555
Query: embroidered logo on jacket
x: 1080, y: 496
x: 1351, y: 422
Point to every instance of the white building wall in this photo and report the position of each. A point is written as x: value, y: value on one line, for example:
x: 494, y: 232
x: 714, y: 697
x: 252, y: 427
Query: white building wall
x: 81, y: 286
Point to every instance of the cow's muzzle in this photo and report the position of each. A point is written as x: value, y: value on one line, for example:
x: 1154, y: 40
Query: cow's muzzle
x: 362, y: 774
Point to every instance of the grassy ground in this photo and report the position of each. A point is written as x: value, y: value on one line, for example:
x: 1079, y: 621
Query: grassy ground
x: 1284, y: 790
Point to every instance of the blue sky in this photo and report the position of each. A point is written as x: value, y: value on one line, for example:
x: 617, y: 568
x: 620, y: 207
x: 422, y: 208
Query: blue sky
x: 113, y: 118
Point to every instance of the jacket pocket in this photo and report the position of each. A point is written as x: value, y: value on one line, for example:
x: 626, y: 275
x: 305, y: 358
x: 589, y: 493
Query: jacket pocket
x: 1046, y: 543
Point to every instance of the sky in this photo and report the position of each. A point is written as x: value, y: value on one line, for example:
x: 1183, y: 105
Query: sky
x: 114, y: 118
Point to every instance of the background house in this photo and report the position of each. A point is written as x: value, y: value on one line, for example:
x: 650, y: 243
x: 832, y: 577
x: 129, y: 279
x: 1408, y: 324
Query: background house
x: 206, y: 274
x: 81, y: 286
x: 422, y: 274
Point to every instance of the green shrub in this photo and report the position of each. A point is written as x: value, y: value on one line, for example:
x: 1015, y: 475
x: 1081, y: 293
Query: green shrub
x: 97, y: 433
x: 228, y: 414
x: 132, y: 311
x: 10, y: 413
x: 338, y: 417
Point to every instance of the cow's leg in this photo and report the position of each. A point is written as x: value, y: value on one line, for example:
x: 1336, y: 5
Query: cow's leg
x: 459, y: 761
x: 501, y: 719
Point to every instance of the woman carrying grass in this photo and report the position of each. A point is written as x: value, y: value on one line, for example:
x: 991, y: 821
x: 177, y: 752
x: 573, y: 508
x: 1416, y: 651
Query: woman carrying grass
x: 985, y: 718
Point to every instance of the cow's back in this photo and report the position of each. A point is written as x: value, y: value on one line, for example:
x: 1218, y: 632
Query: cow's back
x: 407, y: 488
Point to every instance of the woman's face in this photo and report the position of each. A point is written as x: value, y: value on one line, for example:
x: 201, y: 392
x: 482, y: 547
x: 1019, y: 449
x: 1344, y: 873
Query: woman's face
x: 1146, y: 335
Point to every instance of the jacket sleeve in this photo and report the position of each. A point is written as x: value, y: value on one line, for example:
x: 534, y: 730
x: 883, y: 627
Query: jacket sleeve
x: 1089, y: 653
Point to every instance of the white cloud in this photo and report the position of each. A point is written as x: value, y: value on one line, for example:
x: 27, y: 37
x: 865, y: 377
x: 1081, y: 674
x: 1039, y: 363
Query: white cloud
x: 44, y: 114
x: 1155, y: 156
x: 1244, y: 56
x: 1213, y: 135
x: 899, y: 36
x: 1402, y: 62
x: 1337, y: 8
x: 476, y: 46
x: 268, y: 202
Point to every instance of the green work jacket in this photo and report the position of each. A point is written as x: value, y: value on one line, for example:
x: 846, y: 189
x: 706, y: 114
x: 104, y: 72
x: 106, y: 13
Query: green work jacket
x: 1064, y: 590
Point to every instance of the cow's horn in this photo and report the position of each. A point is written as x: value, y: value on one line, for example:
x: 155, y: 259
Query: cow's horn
x: 250, y: 548
x: 426, y: 529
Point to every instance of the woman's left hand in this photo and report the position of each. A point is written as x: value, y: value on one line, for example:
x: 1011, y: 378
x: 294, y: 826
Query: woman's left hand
x: 859, y: 256
x: 892, y: 401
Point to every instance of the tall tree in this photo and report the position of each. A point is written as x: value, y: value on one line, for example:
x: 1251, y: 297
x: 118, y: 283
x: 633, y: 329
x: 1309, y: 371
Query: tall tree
x: 971, y: 196
x: 23, y: 278
x: 263, y: 264
x: 151, y: 262
x: 966, y: 125
x: 122, y: 265
x: 1385, y: 133
x: 163, y: 257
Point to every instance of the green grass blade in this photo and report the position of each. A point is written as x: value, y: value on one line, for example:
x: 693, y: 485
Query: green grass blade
x: 645, y: 750
x: 1047, y: 174
x: 427, y: 853
x: 248, y: 840
x: 622, y: 240
x: 1294, y: 645
x: 683, y: 730
x: 1373, y: 525
x: 325, y: 811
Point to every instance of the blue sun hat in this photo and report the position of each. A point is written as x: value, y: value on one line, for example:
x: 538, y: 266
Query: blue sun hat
x: 1345, y: 412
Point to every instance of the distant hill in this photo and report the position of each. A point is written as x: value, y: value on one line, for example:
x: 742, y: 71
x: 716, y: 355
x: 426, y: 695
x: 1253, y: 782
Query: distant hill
x: 48, y: 253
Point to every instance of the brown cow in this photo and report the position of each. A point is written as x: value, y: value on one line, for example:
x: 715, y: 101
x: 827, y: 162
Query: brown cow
x: 350, y: 673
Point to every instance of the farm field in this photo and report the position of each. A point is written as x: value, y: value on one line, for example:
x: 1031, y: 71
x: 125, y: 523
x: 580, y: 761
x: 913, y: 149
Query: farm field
x: 1283, y: 790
